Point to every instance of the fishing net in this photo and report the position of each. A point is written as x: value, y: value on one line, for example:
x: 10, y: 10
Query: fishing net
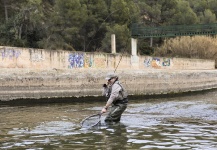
x: 91, y: 121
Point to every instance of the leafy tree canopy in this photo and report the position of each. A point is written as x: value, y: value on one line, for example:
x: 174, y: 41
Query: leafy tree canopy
x: 87, y: 25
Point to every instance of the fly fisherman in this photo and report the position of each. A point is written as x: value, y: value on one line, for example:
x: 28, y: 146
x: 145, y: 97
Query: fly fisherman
x: 116, y: 97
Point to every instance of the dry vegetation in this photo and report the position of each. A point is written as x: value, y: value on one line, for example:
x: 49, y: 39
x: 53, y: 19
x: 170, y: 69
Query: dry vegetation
x: 203, y: 47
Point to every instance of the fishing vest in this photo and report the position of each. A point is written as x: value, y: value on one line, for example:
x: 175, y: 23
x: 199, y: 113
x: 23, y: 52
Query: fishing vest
x: 122, y: 96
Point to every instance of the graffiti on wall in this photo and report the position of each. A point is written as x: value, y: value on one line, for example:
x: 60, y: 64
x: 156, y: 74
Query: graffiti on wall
x: 82, y: 60
x: 10, y: 53
x: 76, y: 60
x: 37, y: 57
x: 157, y: 62
x: 166, y: 62
x: 100, y: 61
x: 147, y: 62
x: 88, y: 61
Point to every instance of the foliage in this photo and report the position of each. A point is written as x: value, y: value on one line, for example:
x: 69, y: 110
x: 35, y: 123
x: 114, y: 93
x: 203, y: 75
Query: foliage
x: 189, y: 47
x: 144, y: 48
x: 184, y: 14
x: 87, y: 25
x: 122, y: 37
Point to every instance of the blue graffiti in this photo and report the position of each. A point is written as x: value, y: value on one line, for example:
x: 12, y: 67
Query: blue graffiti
x: 156, y: 59
x: 166, y: 62
x: 10, y: 53
x: 147, y: 62
x: 76, y: 60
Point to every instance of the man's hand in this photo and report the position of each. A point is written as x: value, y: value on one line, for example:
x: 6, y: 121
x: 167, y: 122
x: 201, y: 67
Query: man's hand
x: 103, y: 110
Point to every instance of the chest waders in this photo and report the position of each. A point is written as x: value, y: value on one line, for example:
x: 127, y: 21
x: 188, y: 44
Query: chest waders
x: 118, y: 106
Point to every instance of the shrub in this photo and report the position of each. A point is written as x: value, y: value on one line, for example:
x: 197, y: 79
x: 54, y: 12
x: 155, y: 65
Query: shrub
x: 202, y: 47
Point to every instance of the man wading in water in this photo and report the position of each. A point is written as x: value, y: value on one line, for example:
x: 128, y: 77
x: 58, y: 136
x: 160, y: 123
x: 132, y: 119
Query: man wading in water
x: 117, y: 98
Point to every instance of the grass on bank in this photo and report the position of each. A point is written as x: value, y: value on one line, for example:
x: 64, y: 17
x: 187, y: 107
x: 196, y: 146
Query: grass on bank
x: 201, y: 47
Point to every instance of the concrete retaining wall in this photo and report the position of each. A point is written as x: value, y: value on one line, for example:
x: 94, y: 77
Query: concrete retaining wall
x: 40, y: 59
x: 60, y: 83
x: 35, y: 74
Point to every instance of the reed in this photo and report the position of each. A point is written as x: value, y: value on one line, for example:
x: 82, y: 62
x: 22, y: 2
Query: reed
x: 202, y: 47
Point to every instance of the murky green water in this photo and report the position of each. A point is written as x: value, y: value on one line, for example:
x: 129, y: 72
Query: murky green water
x: 188, y: 122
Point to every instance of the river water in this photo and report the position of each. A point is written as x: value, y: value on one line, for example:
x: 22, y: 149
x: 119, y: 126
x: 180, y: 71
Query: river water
x: 184, y: 122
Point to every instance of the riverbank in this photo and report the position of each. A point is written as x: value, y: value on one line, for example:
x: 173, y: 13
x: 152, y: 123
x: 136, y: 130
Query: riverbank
x: 56, y: 83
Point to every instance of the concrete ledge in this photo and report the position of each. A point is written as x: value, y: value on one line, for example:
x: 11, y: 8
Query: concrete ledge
x: 26, y: 84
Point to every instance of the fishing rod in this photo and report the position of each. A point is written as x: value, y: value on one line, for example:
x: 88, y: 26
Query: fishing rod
x: 98, y: 31
x: 100, y: 27
x: 121, y: 55
x: 122, y: 52
x: 124, y: 48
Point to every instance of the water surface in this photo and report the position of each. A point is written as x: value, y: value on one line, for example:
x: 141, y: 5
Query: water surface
x: 187, y: 122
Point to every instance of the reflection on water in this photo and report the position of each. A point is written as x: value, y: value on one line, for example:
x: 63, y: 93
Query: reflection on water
x: 187, y: 122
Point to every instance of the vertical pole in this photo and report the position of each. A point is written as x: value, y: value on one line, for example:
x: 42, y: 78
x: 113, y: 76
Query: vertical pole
x: 151, y: 41
x: 113, y: 44
x: 134, y: 47
x: 134, y: 57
